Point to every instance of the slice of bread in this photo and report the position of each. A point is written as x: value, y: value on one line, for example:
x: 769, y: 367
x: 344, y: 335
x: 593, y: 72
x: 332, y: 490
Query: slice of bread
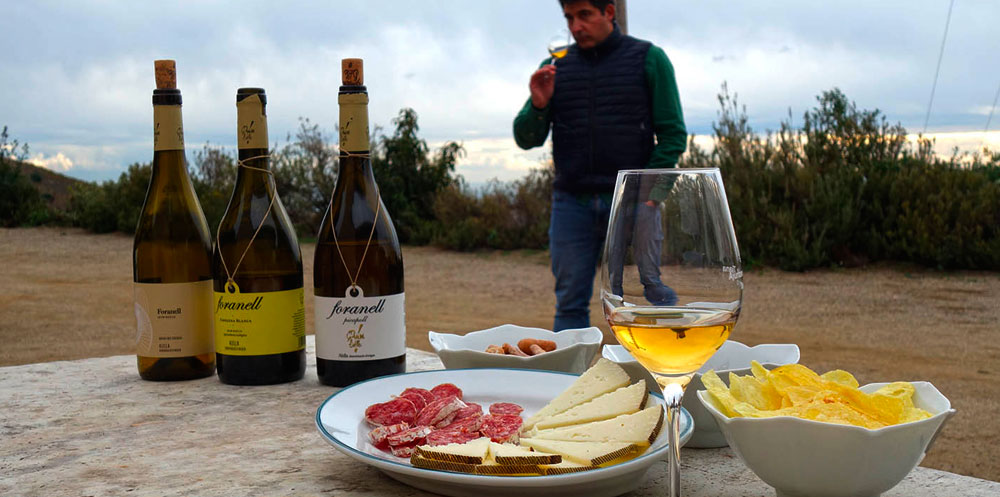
x: 639, y: 428
x: 565, y: 467
x: 487, y: 468
x: 625, y: 400
x: 586, y: 453
x: 515, y: 454
x: 603, y: 377
x: 474, y: 452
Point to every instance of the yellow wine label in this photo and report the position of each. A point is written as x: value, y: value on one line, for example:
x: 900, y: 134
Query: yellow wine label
x: 360, y: 328
x: 173, y: 319
x: 354, y: 122
x: 260, y: 323
x: 168, y: 128
x: 251, y: 123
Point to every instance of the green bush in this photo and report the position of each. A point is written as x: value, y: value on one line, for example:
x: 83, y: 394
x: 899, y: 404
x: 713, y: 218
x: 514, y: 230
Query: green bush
x: 20, y: 203
x: 110, y: 205
x: 844, y: 190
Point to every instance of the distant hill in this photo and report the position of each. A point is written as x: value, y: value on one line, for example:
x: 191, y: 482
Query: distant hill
x: 53, y: 186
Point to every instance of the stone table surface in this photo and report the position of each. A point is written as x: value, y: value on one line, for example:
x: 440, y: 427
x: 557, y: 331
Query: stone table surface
x: 92, y: 428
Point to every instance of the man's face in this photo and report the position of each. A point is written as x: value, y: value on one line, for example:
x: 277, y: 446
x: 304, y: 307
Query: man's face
x: 588, y: 24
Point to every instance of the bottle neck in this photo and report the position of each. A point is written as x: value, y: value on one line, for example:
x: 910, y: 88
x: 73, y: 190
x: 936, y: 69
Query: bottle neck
x: 354, y: 137
x: 169, y: 164
x: 251, y: 132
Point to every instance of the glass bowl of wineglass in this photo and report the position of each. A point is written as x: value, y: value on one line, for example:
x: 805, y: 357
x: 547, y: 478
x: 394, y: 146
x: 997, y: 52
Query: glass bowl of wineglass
x: 671, y: 278
x: 559, y: 45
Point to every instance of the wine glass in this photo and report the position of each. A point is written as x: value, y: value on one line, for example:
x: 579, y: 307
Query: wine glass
x: 559, y: 45
x: 671, y: 278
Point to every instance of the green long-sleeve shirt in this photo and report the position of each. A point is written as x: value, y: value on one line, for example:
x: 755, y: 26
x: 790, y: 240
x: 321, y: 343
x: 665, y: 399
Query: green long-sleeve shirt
x: 531, y: 126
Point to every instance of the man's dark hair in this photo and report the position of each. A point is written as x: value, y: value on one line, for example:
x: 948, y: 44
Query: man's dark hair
x: 598, y: 4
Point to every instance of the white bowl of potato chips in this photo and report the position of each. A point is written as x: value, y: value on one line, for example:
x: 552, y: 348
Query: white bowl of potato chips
x: 823, y: 435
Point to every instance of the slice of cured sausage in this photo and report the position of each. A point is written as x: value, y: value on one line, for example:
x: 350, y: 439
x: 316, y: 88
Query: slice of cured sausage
x: 398, y: 410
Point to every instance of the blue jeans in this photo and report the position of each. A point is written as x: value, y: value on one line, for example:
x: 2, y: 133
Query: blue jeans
x: 577, y: 229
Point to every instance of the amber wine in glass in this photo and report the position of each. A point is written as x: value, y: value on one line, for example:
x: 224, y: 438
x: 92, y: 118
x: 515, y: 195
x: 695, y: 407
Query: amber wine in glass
x: 559, y: 45
x: 671, y: 278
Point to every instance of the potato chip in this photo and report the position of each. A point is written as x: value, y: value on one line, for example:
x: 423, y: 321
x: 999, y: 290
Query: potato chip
x: 795, y: 390
x: 840, y: 376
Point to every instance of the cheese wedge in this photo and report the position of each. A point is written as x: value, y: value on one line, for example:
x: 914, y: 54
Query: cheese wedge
x: 603, y: 377
x: 625, y: 400
x: 565, y: 467
x: 487, y: 468
x: 515, y: 454
x: 641, y: 428
x: 585, y: 453
x: 473, y: 452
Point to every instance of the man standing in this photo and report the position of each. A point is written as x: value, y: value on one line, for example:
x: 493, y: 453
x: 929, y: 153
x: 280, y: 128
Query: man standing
x: 614, y: 105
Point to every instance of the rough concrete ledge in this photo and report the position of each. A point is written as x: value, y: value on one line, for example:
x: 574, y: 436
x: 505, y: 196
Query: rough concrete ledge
x: 92, y: 427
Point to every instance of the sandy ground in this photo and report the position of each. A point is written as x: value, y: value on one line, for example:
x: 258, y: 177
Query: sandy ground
x: 66, y: 294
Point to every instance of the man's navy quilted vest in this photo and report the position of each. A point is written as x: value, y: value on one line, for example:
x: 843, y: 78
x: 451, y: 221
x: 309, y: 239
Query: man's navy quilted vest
x: 601, y: 114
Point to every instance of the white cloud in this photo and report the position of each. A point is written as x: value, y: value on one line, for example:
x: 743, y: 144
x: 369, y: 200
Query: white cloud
x: 58, y: 162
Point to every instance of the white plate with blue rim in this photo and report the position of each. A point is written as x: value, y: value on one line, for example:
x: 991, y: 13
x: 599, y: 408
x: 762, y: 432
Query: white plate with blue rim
x: 340, y: 421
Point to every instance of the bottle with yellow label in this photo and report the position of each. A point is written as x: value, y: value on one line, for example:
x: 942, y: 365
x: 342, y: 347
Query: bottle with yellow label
x: 259, y: 308
x: 171, y: 255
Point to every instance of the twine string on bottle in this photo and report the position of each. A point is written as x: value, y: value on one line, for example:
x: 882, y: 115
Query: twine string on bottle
x: 378, y: 207
x: 230, y: 282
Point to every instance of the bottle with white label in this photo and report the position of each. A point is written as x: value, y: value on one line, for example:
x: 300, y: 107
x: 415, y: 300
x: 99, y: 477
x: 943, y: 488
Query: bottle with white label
x: 358, y: 266
x: 172, y: 254
x: 259, y: 309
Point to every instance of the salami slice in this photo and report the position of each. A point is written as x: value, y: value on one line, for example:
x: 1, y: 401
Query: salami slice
x: 447, y: 420
x: 473, y: 409
x: 403, y: 450
x: 438, y: 410
x: 426, y: 394
x: 409, y: 436
x: 418, y: 400
x: 445, y: 390
x: 501, y: 428
x: 398, y: 410
x: 442, y: 437
x: 506, y: 408
x: 470, y: 424
x: 379, y: 434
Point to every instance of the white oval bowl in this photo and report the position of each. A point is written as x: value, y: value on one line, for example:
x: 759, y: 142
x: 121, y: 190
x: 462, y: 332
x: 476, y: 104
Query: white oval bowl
x: 801, y: 457
x: 575, y: 348
x: 732, y: 357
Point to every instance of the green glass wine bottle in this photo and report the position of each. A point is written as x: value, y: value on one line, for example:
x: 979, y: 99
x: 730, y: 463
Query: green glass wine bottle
x: 358, y: 265
x: 259, y: 308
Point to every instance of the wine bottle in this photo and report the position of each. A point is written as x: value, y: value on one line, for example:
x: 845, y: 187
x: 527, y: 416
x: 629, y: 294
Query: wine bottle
x: 259, y: 312
x: 358, y: 269
x: 172, y: 254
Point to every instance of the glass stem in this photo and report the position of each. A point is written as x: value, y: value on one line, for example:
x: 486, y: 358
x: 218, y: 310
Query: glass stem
x: 673, y: 395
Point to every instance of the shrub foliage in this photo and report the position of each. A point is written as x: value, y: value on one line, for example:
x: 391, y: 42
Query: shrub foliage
x: 845, y: 188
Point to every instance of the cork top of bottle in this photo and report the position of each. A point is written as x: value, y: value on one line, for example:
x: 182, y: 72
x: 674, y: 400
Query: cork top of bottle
x: 166, y: 74
x: 352, y: 72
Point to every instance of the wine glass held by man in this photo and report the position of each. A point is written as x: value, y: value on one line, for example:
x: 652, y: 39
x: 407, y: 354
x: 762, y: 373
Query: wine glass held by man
x: 612, y: 104
x: 658, y: 219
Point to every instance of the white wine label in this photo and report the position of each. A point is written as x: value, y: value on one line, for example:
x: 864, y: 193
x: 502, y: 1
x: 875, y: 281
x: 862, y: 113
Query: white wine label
x: 354, y: 122
x: 168, y: 128
x: 262, y: 323
x: 174, y: 319
x: 360, y: 328
x: 251, y: 123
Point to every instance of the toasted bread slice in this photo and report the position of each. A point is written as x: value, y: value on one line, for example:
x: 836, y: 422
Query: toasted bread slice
x: 603, y: 377
x: 515, y: 454
x: 639, y: 428
x: 586, y: 453
x: 566, y: 467
x: 625, y: 400
x: 474, y: 452
x: 488, y: 468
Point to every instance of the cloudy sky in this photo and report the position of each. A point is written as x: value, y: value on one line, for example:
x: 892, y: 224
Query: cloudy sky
x: 76, y: 77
